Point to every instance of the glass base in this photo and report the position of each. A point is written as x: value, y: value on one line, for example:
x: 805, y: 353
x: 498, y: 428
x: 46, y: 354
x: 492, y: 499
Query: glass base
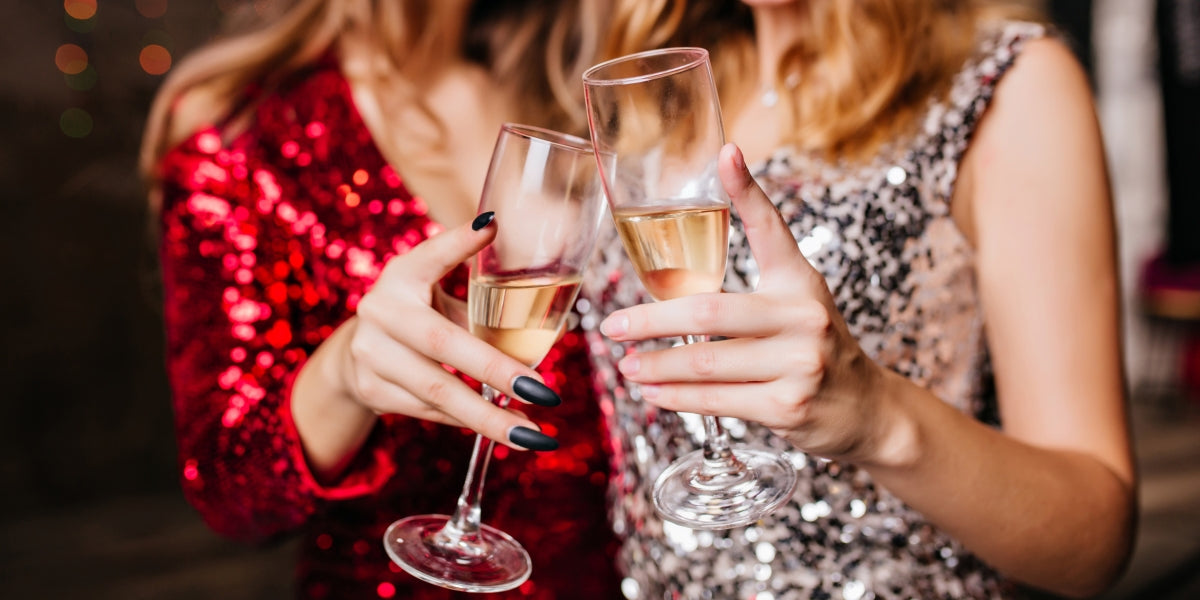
x: 702, y: 494
x: 490, y: 562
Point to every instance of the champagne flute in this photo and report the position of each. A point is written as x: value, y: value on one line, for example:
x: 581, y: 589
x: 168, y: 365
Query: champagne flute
x: 545, y: 191
x: 656, y: 121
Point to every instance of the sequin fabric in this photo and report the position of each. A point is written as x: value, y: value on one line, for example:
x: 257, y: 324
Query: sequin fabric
x: 269, y: 240
x: 903, y: 278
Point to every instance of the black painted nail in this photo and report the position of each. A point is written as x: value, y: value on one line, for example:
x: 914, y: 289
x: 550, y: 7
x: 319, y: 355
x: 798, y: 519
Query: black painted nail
x: 534, y: 391
x: 483, y: 220
x: 532, y: 439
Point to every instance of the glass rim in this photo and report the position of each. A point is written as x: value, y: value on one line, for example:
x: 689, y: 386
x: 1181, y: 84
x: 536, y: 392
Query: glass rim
x: 558, y: 139
x: 701, y: 55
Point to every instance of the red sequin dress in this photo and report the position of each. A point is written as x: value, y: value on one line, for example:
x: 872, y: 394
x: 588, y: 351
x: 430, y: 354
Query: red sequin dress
x: 268, y: 243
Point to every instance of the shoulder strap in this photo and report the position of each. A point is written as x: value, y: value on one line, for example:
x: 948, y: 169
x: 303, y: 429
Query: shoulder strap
x: 951, y: 123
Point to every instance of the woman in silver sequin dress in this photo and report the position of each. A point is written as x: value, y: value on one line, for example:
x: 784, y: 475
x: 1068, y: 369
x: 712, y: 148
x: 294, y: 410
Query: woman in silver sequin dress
x: 922, y: 310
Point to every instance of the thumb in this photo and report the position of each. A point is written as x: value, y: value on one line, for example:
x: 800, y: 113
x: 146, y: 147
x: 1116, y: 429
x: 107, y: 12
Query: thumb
x: 770, y: 240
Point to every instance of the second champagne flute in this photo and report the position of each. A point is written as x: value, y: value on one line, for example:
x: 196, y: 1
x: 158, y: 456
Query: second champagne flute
x: 545, y: 191
x: 656, y: 127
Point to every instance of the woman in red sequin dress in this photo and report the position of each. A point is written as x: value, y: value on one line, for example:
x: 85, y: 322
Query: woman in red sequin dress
x: 943, y: 173
x: 295, y: 170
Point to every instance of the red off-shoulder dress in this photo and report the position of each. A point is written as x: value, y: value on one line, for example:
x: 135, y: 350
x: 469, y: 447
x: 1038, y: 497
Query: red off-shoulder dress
x: 268, y: 243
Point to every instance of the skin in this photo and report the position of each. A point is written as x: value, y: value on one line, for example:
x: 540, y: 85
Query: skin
x: 375, y: 364
x: 1050, y: 499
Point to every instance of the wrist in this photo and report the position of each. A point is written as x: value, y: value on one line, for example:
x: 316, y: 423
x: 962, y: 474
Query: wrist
x: 331, y: 423
x: 896, y: 439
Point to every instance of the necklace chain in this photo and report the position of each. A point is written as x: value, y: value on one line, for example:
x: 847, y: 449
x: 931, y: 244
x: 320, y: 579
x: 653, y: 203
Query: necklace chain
x: 770, y: 95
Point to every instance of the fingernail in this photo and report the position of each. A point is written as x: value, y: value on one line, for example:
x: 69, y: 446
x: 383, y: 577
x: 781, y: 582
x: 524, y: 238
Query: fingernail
x: 629, y: 366
x: 615, y: 325
x: 534, y: 391
x: 649, y: 392
x: 531, y: 439
x: 483, y: 220
x: 738, y: 160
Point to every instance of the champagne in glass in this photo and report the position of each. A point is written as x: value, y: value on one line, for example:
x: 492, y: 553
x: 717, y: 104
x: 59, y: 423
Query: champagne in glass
x: 545, y: 191
x: 656, y: 127
x: 676, y: 251
x: 521, y: 315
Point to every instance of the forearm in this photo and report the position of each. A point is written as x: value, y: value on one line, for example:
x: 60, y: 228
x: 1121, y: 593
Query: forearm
x: 331, y: 425
x: 1056, y: 519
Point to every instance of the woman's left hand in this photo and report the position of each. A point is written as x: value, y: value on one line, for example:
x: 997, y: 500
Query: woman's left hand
x: 789, y: 363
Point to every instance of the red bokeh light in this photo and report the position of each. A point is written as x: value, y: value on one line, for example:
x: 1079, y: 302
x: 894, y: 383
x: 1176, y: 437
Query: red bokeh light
x: 81, y: 10
x: 152, y: 9
x: 71, y: 59
x: 155, y: 59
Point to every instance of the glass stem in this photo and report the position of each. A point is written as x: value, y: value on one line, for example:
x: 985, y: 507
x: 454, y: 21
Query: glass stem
x: 719, y: 460
x: 462, y: 531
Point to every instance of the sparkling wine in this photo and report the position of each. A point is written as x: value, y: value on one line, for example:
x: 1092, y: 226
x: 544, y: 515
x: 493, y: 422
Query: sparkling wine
x: 521, y: 314
x: 677, y: 251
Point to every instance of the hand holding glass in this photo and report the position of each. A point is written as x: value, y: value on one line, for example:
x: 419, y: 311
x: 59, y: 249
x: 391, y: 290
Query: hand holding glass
x: 545, y: 192
x: 656, y: 127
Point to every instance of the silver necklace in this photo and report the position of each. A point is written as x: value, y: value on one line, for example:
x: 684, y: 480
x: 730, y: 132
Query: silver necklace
x: 770, y: 95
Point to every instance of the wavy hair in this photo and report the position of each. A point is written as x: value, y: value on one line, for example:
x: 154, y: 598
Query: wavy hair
x: 539, y: 47
x: 865, y: 69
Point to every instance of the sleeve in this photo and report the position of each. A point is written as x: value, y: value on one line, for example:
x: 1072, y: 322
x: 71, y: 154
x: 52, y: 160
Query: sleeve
x: 244, y: 307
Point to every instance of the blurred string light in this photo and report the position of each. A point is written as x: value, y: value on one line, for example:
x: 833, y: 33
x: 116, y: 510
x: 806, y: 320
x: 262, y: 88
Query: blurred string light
x: 73, y: 61
x: 84, y: 80
x: 151, y: 9
x: 80, y: 10
x: 155, y: 59
x: 77, y: 70
x: 75, y: 122
x: 80, y: 15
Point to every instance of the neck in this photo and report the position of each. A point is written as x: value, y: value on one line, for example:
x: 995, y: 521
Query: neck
x: 775, y: 29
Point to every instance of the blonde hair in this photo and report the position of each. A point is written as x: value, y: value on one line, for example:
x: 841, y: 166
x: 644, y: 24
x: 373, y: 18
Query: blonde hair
x: 865, y: 68
x: 539, y: 48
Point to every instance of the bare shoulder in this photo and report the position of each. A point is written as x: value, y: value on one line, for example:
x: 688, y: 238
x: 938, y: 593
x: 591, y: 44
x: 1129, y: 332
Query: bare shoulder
x: 196, y: 107
x: 1041, y: 121
x: 1045, y: 94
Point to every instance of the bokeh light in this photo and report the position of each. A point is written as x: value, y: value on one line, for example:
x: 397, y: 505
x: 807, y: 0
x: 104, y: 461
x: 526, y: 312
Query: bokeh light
x: 80, y: 26
x: 80, y: 10
x: 155, y: 59
x: 75, y: 122
x: 84, y: 80
x: 151, y: 9
x: 71, y: 59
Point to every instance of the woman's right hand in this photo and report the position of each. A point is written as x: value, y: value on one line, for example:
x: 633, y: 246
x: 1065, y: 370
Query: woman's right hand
x: 388, y: 359
x: 400, y: 340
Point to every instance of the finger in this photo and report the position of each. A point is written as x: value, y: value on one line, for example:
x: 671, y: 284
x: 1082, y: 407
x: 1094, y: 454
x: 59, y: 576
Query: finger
x: 727, y: 361
x: 443, y: 391
x: 446, y: 343
x: 727, y: 315
x: 428, y: 261
x: 430, y: 335
x: 388, y: 398
x: 764, y: 402
x: 772, y: 243
x: 450, y: 307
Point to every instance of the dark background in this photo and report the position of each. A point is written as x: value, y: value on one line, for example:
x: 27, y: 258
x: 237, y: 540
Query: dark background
x: 89, y: 501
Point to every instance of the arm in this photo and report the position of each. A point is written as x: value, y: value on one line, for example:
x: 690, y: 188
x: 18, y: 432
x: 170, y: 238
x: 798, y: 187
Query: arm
x: 236, y: 340
x: 1054, y: 502
x: 1049, y: 500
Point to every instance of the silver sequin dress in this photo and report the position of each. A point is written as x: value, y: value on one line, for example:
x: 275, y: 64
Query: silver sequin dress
x: 903, y: 277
